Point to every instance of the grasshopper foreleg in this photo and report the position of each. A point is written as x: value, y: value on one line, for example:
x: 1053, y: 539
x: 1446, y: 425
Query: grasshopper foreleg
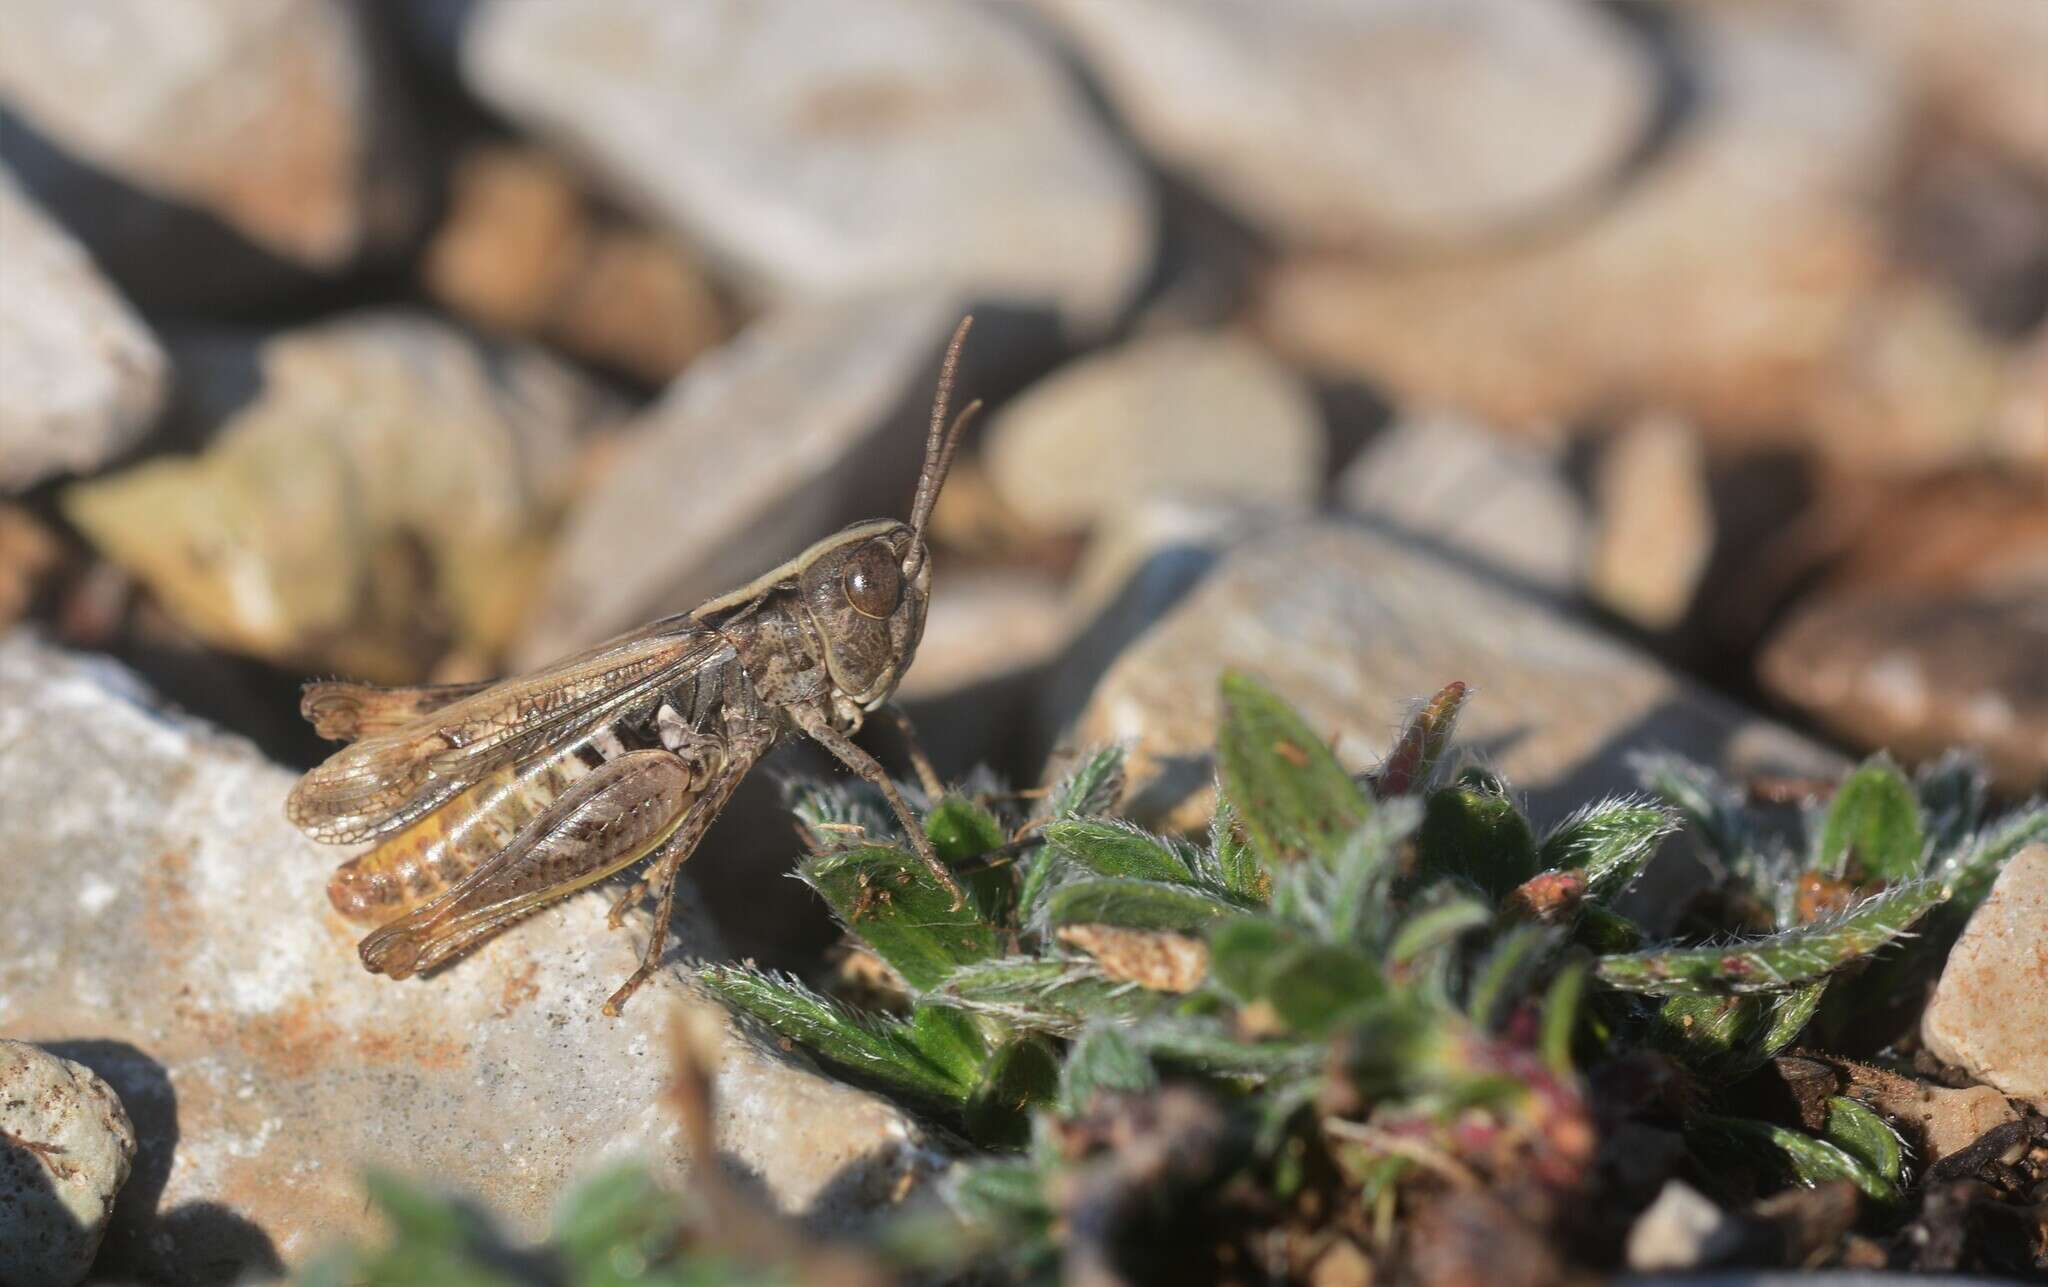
x: 821, y: 731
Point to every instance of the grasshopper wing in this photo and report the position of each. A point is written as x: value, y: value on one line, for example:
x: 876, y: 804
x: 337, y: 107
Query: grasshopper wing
x: 395, y: 775
x: 341, y: 711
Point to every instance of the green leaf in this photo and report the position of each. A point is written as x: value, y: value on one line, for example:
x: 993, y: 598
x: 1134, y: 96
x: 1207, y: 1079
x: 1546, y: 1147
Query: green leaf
x: 1111, y: 848
x: 1242, y: 872
x: 1135, y: 904
x: 1103, y: 1060
x: 1725, y: 1036
x: 1022, y: 1075
x: 1206, y: 1046
x: 1435, y: 926
x: 888, y: 899
x: 1865, y: 1136
x: 950, y: 1039
x: 882, y: 1051
x: 962, y: 830
x: 1609, y: 841
x: 1874, y: 822
x: 1363, y: 866
x: 1293, y: 795
x: 1786, y: 960
x: 619, y: 1218
x: 1709, y: 805
x: 1794, y: 1156
x: 1002, y: 1195
x: 1092, y: 786
x: 1477, y: 836
x: 1970, y: 870
x: 1561, y: 1016
x: 1039, y: 869
x: 1504, y: 976
x: 1310, y: 986
x: 1051, y: 994
x: 1606, y: 931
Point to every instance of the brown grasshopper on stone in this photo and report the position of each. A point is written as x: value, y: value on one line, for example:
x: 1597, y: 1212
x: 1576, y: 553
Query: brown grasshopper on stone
x: 492, y: 800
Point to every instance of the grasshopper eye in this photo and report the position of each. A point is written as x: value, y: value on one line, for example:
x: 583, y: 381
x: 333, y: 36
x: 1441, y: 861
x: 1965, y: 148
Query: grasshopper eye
x: 873, y: 582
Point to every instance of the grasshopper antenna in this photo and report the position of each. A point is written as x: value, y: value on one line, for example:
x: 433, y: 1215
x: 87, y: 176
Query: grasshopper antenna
x: 940, y: 445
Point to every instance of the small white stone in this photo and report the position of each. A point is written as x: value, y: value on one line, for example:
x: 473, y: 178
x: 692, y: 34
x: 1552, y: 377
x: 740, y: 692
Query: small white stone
x: 66, y: 1146
x: 1990, y: 1010
x: 80, y: 377
x: 1682, y: 1229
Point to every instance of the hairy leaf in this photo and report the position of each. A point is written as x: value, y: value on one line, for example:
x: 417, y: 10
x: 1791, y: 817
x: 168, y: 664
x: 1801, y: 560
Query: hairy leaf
x: 1477, y: 836
x: 1609, y: 841
x: 1799, y: 1158
x: 879, y: 1050
x: 1874, y: 822
x: 1294, y: 797
x: 1111, y: 848
x: 893, y: 904
x: 1863, y: 1135
x: 1103, y: 1059
x: 1784, y: 960
x: 1135, y: 904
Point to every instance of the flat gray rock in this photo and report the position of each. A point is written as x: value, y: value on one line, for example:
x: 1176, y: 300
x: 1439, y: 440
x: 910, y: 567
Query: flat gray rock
x: 810, y: 419
x: 170, y: 930
x: 1355, y: 626
x: 1199, y: 415
x: 1503, y: 501
x: 66, y: 1146
x: 80, y: 377
x: 270, y: 116
x: 1374, y: 120
x: 825, y: 146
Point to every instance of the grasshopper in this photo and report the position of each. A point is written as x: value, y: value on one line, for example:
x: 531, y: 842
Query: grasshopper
x: 490, y: 801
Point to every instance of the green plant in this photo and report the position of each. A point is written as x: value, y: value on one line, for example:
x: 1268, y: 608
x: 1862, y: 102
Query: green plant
x: 1376, y: 984
x: 1378, y: 1016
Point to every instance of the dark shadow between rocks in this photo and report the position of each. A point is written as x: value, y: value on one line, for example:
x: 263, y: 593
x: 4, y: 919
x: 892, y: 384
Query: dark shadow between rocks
x: 197, y: 1244
x: 127, y: 230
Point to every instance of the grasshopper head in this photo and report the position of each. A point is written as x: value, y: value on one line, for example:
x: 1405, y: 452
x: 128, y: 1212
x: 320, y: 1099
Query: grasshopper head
x: 867, y: 587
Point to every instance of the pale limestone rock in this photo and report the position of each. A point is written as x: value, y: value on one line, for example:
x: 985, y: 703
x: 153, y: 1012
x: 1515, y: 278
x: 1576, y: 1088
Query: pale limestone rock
x: 1404, y: 121
x: 836, y: 146
x: 170, y: 924
x: 1991, y: 1007
x: 1202, y: 416
x: 80, y: 377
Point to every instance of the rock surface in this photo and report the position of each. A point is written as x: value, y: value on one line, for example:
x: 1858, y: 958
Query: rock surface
x: 1991, y: 1006
x: 1929, y: 631
x: 173, y: 932
x: 1718, y: 283
x: 1682, y: 1229
x: 1202, y: 416
x: 524, y: 251
x: 1654, y: 526
x: 1979, y: 63
x: 386, y: 461
x: 271, y: 116
x: 810, y: 419
x: 1504, y: 502
x: 827, y: 148
x: 1941, y: 1121
x: 80, y: 377
x: 1352, y: 625
x: 1309, y: 118
x: 66, y: 1146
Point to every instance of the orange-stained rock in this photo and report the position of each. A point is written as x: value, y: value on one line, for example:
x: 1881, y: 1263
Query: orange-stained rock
x: 169, y: 928
x: 1990, y: 1010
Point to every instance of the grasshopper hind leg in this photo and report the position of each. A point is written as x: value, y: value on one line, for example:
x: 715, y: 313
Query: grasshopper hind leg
x: 621, y: 812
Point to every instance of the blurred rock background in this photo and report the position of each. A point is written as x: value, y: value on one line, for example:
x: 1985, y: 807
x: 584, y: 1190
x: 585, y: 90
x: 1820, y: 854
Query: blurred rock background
x: 1649, y: 368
